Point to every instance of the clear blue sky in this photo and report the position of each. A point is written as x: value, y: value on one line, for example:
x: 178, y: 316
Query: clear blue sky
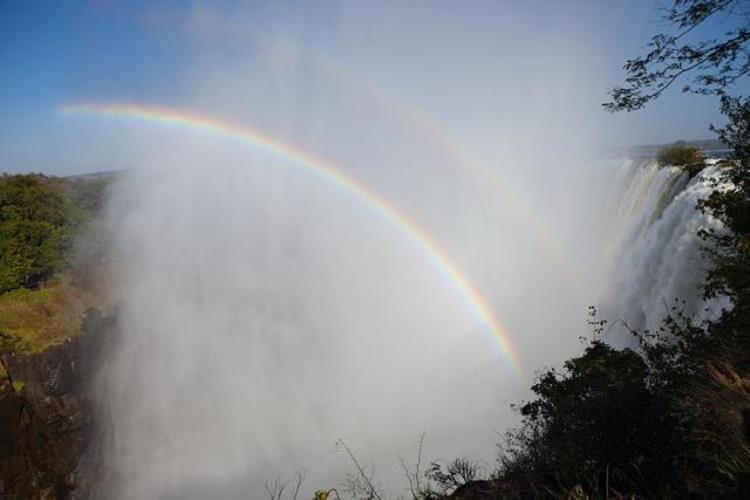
x: 53, y: 52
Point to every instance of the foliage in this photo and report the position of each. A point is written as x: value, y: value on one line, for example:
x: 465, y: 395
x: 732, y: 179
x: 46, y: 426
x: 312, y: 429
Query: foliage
x: 688, y: 158
x: 456, y: 473
x: 34, y: 230
x: 18, y: 385
x: 580, y: 429
x: 652, y: 422
x: 32, y: 320
x: 40, y: 219
x: 716, y: 63
x: 90, y: 255
x: 88, y: 194
x: 730, y: 204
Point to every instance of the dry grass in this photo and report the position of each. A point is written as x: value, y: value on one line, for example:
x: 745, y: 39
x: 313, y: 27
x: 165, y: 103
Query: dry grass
x: 18, y: 385
x: 33, y: 320
x: 720, y: 441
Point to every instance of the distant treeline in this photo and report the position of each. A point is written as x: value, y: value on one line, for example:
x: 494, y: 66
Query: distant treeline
x: 709, y: 147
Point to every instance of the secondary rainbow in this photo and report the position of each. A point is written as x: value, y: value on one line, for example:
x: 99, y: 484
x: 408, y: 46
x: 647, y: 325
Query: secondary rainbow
x: 420, y: 120
x: 189, y: 120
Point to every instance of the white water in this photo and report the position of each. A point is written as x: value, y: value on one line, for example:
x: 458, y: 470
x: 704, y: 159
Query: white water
x: 654, y: 244
x: 265, y: 316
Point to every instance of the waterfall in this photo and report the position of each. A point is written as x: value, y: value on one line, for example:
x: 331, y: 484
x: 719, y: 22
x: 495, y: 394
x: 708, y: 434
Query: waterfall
x: 656, y: 254
x: 261, y: 323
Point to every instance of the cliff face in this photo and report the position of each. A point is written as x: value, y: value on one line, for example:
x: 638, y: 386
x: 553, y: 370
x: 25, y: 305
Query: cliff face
x: 47, y: 417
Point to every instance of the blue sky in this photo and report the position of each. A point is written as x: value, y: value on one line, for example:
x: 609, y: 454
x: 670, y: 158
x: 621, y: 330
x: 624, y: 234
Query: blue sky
x: 54, y: 52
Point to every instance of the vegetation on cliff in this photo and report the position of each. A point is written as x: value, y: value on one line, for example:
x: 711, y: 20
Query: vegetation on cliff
x: 34, y: 230
x: 43, y: 297
x: 33, y: 320
x: 40, y: 219
x: 49, y: 332
x: 687, y: 158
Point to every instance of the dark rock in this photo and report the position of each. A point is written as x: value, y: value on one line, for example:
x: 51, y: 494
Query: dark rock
x: 47, y: 419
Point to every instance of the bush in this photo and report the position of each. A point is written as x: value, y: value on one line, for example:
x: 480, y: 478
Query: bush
x: 663, y: 420
x: 33, y: 320
x: 685, y: 157
x: 599, y: 421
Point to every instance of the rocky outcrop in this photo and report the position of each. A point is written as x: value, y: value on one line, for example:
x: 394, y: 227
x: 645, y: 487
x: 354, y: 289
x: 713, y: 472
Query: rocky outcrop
x: 47, y: 415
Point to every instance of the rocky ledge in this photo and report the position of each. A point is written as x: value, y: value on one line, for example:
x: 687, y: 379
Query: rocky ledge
x: 47, y: 417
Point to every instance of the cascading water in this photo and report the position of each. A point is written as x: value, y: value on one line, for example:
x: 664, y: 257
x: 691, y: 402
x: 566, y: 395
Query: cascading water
x: 260, y: 323
x: 656, y: 257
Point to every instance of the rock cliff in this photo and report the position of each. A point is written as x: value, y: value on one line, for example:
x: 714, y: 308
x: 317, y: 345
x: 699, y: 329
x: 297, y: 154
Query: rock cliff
x: 47, y: 416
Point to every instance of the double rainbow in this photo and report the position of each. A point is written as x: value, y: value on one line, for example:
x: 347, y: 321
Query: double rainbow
x: 463, y: 157
x: 329, y: 173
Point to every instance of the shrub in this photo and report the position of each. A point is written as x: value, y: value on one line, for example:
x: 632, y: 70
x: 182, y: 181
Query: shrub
x: 599, y: 421
x: 33, y: 320
x: 685, y: 157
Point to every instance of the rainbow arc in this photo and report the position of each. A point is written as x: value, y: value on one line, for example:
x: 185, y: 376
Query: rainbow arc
x: 324, y: 170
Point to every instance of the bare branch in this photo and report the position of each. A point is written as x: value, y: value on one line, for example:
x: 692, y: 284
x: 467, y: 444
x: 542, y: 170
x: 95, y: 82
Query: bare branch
x: 299, y: 478
x: 415, y: 486
x: 407, y: 473
x: 275, y: 490
x: 363, y: 476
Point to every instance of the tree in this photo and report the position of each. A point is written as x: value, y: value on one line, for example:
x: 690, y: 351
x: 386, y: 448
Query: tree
x: 598, y: 421
x: 729, y: 202
x: 713, y: 64
x: 34, y: 232
x: 660, y: 421
x: 40, y: 219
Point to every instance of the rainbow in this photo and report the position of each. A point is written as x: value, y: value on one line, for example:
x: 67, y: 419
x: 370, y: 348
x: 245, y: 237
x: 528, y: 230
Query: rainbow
x: 459, y: 153
x: 193, y: 121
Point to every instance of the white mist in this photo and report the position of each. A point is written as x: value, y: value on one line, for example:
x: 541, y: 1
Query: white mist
x: 267, y: 313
